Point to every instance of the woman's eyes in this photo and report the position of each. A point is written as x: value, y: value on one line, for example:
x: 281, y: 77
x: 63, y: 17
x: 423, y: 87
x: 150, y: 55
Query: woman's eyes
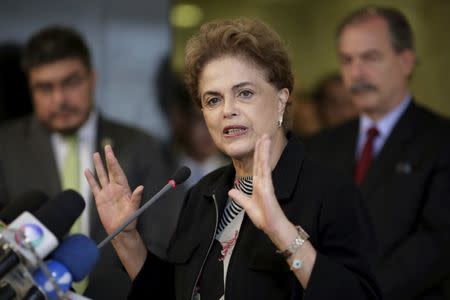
x: 215, y: 101
x: 245, y: 93
x: 211, y: 102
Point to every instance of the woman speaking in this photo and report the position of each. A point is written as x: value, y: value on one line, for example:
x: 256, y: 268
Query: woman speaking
x: 273, y: 224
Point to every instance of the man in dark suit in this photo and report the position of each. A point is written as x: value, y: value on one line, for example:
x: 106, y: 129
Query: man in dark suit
x: 398, y: 153
x: 50, y: 149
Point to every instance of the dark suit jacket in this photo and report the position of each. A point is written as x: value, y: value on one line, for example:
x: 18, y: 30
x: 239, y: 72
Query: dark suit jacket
x: 27, y: 162
x: 407, y: 191
x: 328, y: 208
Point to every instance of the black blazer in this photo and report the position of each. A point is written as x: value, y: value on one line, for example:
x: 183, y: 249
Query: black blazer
x: 407, y: 192
x: 328, y: 208
x: 27, y: 162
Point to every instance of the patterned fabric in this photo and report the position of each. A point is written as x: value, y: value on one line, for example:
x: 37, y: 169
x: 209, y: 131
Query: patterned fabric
x: 243, y: 184
x: 212, y: 286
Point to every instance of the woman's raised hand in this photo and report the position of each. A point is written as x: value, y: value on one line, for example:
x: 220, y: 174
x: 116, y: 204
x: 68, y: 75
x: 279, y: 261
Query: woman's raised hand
x: 265, y: 212
x: 262, y: 207
x: 113, y: 197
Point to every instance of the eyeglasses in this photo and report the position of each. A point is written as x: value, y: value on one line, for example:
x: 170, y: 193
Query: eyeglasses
x: 68, y: 84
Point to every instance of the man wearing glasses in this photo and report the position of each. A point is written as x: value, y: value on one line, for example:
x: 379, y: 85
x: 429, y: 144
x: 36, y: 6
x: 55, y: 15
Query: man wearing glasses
x: 50, y: 149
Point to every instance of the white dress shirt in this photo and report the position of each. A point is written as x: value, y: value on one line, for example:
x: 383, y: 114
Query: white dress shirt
x: 87, y: 136
x: 384, y: 126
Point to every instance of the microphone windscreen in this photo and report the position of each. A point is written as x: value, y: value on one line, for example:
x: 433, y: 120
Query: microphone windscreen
x: 181, y: 175
x: 61, y: 212
x: 78, y: 253
x: 60, y: 274
x: 29, y: 201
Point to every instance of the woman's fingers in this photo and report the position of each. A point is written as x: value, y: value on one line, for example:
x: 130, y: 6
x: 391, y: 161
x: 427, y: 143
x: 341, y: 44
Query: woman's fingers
x: 136, y: 196
x: 92, y: 182
x: 100, y: 170
x: 262, y: 172
x: 242, y: 199
x: 115, y: 171
x: 264, y: 151
x: 251, y: 208
x: 261, y: 156
x: 256, y: 159
x: 262, y: 207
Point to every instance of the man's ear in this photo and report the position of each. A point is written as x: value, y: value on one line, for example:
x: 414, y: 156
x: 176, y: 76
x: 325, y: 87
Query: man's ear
x: 408, y: 61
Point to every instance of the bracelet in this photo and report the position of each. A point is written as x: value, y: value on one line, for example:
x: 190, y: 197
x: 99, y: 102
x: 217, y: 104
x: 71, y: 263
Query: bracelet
x: 296, y: 244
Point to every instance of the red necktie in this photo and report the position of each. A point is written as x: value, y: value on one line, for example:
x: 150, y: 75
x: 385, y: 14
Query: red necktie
x: 366, y: 157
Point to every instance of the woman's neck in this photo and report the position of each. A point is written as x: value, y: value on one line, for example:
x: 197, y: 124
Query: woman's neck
x: 244, y: 166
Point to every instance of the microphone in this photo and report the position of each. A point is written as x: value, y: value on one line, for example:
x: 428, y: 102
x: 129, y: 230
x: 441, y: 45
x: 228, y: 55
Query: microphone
x: 28, y: 201
x: 30, y: 238
x: 53, y: 283
x: 59, y: 214
x: 73, y: 260
x: 79, y: 254
x: 42, y: 231
x: 7, y: 292
x: 179, y: 177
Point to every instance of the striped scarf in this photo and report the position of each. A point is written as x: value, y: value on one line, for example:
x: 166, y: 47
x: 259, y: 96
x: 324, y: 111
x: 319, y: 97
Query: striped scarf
x: 243, y: 184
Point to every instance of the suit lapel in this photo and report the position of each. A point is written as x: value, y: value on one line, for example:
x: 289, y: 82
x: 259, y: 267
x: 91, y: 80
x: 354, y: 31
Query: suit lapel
x: 395, y: 147
x: 42, y: 161
x: 286, y: 172
x: 346, y: 145
x: 221, y: 188
x: 104, y: 136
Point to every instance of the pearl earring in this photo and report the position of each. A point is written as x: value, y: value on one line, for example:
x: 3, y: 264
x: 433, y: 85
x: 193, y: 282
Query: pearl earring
x: 280, y: 121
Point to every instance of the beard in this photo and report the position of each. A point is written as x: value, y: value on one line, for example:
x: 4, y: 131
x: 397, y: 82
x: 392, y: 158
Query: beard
x: 56, y: 123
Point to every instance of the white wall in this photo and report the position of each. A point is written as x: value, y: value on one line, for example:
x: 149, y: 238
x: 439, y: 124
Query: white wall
x: 127, y: 40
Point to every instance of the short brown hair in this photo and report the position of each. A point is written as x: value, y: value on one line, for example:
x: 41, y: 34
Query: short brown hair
x: 54, y: 43
x: 402, y: 37
x: 249, y: 38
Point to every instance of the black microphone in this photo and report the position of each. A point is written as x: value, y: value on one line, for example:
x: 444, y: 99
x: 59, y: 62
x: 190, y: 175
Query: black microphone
x: 60, y: 213
x: 7, y: 292
x: 45, y: 227
x: 29, y: 201
x: 179, y: 177
x: 31, y: 237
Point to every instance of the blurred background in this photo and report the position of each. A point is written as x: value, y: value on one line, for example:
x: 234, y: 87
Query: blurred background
x: 129, y: 40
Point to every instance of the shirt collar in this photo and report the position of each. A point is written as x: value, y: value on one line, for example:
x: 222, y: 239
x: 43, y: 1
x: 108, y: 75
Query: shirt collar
x: 86, y: 133
x: 385, y: 124
x: 87, y: 130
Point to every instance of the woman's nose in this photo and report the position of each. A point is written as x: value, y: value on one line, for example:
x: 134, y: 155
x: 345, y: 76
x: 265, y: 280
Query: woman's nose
x: 229, y: 108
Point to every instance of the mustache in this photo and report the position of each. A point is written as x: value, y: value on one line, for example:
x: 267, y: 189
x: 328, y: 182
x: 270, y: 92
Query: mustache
x: 64, y: 108
x: 362, y: 86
